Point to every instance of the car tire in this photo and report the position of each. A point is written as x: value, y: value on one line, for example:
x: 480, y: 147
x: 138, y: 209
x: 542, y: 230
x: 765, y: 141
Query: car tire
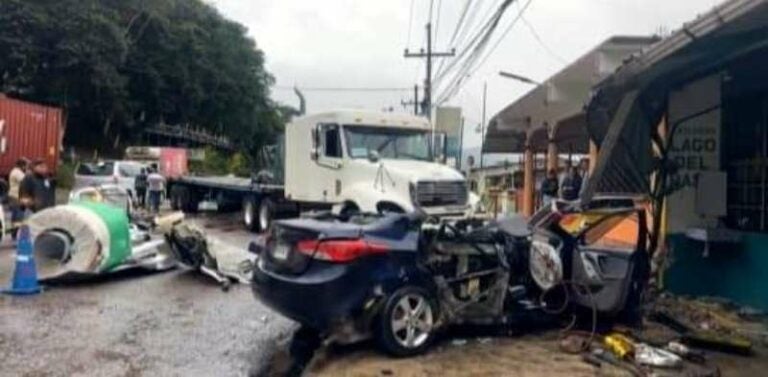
x: 249, y: 214
x: 408, y: 323
x: 266, y: 214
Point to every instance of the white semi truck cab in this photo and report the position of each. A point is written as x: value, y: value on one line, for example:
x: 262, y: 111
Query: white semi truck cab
x: 370, y: 162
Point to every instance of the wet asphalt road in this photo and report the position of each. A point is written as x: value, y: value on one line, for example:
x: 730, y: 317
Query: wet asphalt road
x: 177, y: 323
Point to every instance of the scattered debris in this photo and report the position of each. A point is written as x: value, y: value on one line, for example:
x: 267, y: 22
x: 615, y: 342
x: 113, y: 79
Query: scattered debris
x: 686, y: 352
x: 715, y: 342
x: 656, y: 357
x: 87, y: 239
x: 575, y: 343
x: 619, y: 345
x: 219, y: 260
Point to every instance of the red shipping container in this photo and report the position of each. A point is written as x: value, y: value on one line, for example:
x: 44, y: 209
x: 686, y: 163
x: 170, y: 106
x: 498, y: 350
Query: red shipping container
x: 173, y: 162
x: 28, y: 130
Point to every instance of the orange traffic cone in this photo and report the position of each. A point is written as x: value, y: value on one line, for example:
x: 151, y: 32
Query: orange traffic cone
x: 25, y: 274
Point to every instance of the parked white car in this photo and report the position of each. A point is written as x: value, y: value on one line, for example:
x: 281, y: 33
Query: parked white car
x: 121, y: 173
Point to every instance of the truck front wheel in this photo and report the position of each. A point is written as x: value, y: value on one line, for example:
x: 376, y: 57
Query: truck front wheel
x: 249, y: 214
x: 266, y: 214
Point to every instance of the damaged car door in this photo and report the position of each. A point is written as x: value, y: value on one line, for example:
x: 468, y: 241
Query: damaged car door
x: 598, y: 252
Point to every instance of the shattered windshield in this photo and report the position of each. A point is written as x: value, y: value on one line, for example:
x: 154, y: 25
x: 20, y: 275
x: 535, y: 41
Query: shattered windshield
x: 393, y: 143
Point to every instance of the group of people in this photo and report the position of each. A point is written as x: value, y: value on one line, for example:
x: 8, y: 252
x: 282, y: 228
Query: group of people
x: 568, y: 186
x: 149, y: 185
x: 30, y: 189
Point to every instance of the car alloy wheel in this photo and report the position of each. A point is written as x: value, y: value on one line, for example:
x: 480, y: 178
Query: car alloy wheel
x: 412, y: 321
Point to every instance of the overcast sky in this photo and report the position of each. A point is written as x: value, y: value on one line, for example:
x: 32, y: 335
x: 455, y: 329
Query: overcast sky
x: 360, y: 43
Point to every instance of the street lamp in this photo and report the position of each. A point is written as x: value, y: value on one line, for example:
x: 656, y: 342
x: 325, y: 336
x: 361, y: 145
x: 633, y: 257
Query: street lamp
x: 520, y: 78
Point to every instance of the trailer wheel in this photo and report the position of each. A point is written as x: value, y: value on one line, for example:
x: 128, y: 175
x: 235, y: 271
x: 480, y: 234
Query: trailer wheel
x: 249, y: 214
x: 266, y: 214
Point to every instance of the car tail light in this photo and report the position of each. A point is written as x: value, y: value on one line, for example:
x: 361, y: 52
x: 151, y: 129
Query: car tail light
x: 340, y: 251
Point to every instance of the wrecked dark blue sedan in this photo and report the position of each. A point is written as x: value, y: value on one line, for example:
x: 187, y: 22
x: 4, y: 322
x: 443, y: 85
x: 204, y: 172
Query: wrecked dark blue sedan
x: 400, y: 279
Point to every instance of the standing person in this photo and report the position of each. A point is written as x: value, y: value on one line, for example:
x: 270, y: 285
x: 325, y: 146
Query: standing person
x: 549, y: 187
x: 36, y: 191
x: 155, y: 187
x: 566, y: 171
x: 584, y: 171
x: 140, y: 186
x: 571, y: 185
x: 17, y: 175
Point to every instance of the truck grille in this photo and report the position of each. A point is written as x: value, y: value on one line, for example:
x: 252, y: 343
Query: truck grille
x: 440, y: 193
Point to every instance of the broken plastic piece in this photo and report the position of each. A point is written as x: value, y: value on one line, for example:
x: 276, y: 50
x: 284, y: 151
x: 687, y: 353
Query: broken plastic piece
x: 619, y: 345
x: 656, y: 357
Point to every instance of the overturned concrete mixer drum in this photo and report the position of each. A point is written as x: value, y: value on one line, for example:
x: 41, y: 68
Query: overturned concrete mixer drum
x: 79, y: 239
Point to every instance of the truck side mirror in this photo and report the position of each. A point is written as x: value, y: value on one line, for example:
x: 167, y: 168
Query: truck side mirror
x: 313, y: 154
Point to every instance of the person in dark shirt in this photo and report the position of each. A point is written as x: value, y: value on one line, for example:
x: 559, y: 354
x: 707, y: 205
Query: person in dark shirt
x: 549, y: 187
x: 571, y: 185
x: 37, y: 191
x: 140, y: 185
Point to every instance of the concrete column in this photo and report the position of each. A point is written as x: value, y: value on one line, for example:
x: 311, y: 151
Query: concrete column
x: 528, y: 183
x: 552, y: 160
x: 593, y: 152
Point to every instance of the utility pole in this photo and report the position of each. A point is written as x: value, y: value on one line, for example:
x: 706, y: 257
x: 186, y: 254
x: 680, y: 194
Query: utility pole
x: 426, y: 105
x: 461, y: 145
x: 414, y: 102
x: 482, y: 125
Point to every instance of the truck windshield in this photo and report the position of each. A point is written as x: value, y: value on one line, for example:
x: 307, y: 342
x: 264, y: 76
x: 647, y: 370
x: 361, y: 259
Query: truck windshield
x: 394, y: 143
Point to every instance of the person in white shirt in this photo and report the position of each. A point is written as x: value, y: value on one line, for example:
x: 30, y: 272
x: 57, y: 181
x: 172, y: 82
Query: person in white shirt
x: 17, y: 175
x: 155, y: 187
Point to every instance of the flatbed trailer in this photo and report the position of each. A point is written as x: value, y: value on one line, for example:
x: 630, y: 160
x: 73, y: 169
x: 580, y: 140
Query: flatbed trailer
x: 258, y: 202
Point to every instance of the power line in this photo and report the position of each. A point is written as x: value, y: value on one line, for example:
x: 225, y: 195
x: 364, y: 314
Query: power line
x: 458, y: 80
x: 543, y: 45
x: 431, y: 7
x: 459, y: 24
x: 476, y: 44
x: 475, y: 49
x: 504, y: 34
x: 437, y: 22
x: 346, y: 89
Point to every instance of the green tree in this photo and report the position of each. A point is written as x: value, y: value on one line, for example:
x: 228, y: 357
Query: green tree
x: 119, y: 66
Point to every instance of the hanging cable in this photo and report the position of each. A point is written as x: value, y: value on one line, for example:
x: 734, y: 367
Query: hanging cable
x: 543, y: 45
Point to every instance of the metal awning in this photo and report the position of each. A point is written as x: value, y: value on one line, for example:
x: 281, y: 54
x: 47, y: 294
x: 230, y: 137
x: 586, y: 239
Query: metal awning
x: 629, y: 104
x: 560, y: 99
